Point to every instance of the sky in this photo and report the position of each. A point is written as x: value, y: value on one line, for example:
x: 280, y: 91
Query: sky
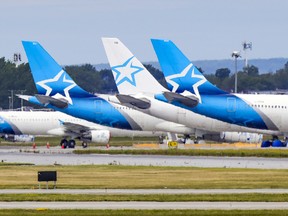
x: 71, y: 30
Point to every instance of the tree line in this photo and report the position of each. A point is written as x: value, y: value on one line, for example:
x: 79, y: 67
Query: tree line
x: 18, y: 80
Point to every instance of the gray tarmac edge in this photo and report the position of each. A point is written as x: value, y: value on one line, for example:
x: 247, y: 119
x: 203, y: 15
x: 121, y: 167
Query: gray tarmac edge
x: 146, y: 205
x: 142, y: 191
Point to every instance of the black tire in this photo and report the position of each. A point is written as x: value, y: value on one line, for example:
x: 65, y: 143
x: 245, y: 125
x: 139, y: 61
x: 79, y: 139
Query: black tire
x: 71, y: 143
x: 64, y: 142
x: 84, y: 145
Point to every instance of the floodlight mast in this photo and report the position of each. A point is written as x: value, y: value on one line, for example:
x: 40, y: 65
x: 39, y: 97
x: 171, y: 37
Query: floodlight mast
x: 246, y: 46
x: 236, y: 55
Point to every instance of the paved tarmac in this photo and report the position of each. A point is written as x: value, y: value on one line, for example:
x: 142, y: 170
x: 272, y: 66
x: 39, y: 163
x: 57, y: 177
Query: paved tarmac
x: 63, y: 157
x: 142, y: 191
x: 145, y: 205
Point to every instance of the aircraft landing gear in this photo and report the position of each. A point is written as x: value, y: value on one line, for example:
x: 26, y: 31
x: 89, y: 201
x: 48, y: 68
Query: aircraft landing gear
x: 71, y: 143
x: 64, y: 143
x: 84, y: 144
x: 68, y: 144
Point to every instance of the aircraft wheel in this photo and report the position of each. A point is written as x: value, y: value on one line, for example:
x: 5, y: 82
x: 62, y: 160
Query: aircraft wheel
x: 84, y: 144
x: 71, y: 143
x: 64, y: 143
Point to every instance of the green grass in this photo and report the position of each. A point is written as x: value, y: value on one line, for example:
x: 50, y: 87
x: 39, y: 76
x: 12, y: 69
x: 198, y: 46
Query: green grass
x: 118, y: 176
x: 280, y: 153
x: 249, y: 197
x: 144, y: 212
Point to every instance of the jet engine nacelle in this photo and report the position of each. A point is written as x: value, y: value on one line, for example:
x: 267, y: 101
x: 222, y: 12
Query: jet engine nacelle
x: 235, y: 137
x: 19, y: 138
x: 241, y: 137
x: 97, y: 136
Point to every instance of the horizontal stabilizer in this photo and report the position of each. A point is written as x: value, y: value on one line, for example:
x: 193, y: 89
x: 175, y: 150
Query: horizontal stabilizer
x: 137, y: 102
x: 52, y: 101
x: 190, y: 101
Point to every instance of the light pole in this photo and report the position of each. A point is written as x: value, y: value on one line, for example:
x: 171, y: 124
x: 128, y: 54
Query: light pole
x: 236, y: 54
x: 245, y: 47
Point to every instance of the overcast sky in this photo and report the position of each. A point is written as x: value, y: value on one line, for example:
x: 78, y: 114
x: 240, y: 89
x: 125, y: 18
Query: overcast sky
x: 71, y: 30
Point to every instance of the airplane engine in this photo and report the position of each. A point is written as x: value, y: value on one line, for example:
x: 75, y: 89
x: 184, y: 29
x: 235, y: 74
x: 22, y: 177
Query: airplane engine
x: 19, y: 138
x: 97, y: 136
x: 241, y: 137
x: 235, y: 137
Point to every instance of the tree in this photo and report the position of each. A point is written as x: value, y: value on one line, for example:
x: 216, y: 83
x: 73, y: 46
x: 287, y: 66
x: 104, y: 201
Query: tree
x: 251, y: 70
x: 222, y: 73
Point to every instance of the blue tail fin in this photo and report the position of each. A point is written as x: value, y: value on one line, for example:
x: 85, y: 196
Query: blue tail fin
x: 181, y: 75
x: 49, y: 77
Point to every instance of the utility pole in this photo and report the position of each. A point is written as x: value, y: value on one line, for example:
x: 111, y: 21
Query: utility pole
x: 21, y: 92
x: 246, y: 46
x: 236, y: 55
x: 11, y: 100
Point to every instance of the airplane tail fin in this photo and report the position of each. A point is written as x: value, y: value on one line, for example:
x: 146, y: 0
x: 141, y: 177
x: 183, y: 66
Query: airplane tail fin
x: 179, y: 72
x: 49, y: 77
x: 130, y: 75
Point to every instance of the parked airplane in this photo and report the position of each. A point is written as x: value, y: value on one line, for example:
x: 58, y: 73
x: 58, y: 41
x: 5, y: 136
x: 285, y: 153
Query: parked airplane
x: 58, y: 91
x: 14, y: 123
x: 137, y: 88
x: 261, y: 111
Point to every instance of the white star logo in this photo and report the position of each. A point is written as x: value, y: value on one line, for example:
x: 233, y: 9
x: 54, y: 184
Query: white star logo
x: 58, y: 85
x: 183, y: 74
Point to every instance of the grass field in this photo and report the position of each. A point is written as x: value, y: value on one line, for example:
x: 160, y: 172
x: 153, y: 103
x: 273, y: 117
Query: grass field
x: 269, y: 152
x: 118, y: 176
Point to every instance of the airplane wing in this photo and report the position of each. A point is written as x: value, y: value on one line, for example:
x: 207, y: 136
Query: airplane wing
x: 190, y: 101
x: 50, y: 100
x: 90, y: 134
x: 79, y: 129
x: 141, y: 103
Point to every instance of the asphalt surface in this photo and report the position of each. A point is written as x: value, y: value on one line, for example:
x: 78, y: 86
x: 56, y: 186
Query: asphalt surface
x: 145, y: 205
x: 65, y: 157
x: 142, y: 191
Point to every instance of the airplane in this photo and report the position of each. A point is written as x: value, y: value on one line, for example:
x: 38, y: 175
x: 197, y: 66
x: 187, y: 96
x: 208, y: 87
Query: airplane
x: 57, y: 90
x: 259, y: 111
x: 14, y: 123
x: 137, y: 89
x: 39, y: 122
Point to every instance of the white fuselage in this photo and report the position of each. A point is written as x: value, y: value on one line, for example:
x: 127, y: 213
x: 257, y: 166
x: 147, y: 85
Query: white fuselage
x: 49, y: 123
x: 273, y: 107
x: 199, y: 122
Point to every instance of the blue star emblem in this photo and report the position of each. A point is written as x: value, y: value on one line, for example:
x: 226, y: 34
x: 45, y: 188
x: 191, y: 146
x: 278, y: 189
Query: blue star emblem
x: 58, y: 86
x: 126, y: 72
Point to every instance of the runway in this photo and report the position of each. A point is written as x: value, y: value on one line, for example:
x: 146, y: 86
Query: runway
x: 143, y: 191
x: 67, y: 158
x: 146, y: 205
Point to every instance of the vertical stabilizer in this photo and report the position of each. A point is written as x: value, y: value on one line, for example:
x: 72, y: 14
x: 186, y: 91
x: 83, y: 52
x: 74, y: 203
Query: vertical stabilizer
x: 49, y: 77
x: 181, y: 75
x: 130, y: 75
